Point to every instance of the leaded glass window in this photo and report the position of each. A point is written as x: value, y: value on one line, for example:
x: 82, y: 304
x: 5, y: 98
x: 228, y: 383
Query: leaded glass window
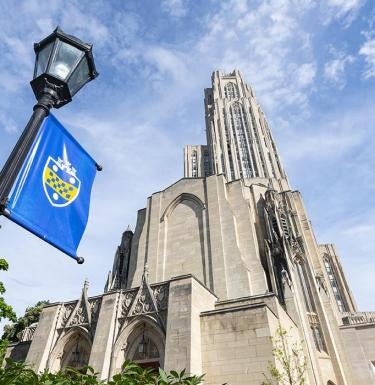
x: 146, y: 350
x: 231, y: 91
x: 194, y: 165
x: 335, y: 287
x: 243, y: 155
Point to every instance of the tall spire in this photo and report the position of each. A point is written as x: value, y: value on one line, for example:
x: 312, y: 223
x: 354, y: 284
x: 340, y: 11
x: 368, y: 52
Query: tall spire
x: 238, y: 136
x: 117, y: 278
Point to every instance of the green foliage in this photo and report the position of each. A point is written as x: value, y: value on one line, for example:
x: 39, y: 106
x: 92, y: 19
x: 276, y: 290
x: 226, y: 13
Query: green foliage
x: 32, y: 313
x: 3, y: 348
x: 6, y: 310
x: 290, y: 368
x: 131, y: 374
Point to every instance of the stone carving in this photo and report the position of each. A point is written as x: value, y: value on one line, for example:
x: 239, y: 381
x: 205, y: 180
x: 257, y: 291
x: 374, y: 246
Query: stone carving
x: 124, y: 345
x: 272, y: 198
x: 161, y: 295
x: 163, y: 318
x: 313, y: 319
x: 127, y: 301
x: 68, y: 309
x: 28, y: 333
x: 81, y: 314
x: 123, y: 322
x: 286, y: 279
x: 297, y: 247
x: 144, y: 302
x: 358, y: 318
x: 94, y: 305
x: 321, y: 282
x: 79, y: 318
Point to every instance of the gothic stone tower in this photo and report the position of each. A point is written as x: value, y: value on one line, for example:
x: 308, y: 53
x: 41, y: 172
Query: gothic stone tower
x: 217, y: 262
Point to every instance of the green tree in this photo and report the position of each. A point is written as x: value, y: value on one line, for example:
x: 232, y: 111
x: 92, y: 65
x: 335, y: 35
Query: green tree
x: 6, y: 310
x: 32, y: 313
x: 290, y: 362
x: 132, y: 374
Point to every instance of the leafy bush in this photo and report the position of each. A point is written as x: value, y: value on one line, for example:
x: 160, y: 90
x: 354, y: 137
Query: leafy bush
x: 19, y: 374
x: 6, y: 311
x: 291, y: 364
x: 12, y: 332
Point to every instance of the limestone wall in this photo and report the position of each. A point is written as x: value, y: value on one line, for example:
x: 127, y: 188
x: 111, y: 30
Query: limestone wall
x: 236, y: 346
x: 205, y: 227
x: 187, y: 299
x: 359, y: 344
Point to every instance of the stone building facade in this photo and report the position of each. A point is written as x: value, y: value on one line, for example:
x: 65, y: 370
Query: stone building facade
x: 218, y: 261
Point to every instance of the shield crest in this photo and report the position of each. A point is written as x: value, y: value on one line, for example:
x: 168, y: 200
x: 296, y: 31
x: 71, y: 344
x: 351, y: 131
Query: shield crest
x: 60, y: 182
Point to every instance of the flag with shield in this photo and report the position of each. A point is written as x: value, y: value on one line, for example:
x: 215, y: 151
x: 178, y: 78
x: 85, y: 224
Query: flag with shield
x: 51, y: 196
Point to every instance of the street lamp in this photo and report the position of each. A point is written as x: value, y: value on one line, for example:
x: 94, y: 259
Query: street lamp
x: 63, y: 65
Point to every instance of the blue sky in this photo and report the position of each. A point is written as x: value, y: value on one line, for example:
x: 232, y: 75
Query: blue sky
x: 311, y: 64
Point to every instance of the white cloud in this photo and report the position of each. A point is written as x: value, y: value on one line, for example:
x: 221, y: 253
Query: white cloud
x: 147, y: 104
x: 305, y: 74
x: 334, y: 70
x: 323, y: 145
x: 170, y: 63
x: 368, y: 52
x: 82, y: 23
x: 361, y: 230
x: 331, y: 140
x: 343, y: 10
x: 175, y: 8
x: 263, y: 40
x: 7, y: 123
x: 11, y: 82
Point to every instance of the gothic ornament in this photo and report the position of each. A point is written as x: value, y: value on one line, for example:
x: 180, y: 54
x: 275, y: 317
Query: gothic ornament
x: 127, y: 301
x: 67, y: 311
x: 321, y: 282
x: 81, y: 315
x: 145, y: 301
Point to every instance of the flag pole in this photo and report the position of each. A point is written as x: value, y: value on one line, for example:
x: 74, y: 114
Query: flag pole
x: 57, y: 78
x: 9, y: 172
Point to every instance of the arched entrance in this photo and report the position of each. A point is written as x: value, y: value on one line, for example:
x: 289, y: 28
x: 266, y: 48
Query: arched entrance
x: 72, y: 350
x: 144, y: 351
x: 143, y: 342
x: 76, y: 353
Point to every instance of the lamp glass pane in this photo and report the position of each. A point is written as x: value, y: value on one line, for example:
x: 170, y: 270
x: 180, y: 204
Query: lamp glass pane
x: 42, y: 60
x: 79, y: 77
x: 64, y: 60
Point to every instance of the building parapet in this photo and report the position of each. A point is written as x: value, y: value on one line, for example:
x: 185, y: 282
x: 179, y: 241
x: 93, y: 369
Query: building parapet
x: 358, y: 318
x: 28, y: 333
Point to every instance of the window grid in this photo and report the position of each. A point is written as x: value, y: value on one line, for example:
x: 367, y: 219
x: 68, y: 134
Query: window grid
x: 243, y: 155
x: 231, y: 91
x: 334, y: 285
x: 194, y: 164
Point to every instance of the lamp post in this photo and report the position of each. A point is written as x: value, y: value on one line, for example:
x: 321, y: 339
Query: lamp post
x: 63, y: 65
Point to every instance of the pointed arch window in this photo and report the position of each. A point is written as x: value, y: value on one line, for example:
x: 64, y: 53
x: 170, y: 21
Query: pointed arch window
x: 206, y: 160
x: 334, y: 284
x: 310, y: 306
x: 76, y: 353
x: 243, y: 156
x: 194, y: 165
x: 145, y: 350
x: 275, y: 226
x: 285, y: 225
x: 304, y: 282
x: 231, y: 91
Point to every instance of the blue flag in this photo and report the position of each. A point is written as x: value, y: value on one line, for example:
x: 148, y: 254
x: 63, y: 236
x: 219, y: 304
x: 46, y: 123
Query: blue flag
x: 51, y: 196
